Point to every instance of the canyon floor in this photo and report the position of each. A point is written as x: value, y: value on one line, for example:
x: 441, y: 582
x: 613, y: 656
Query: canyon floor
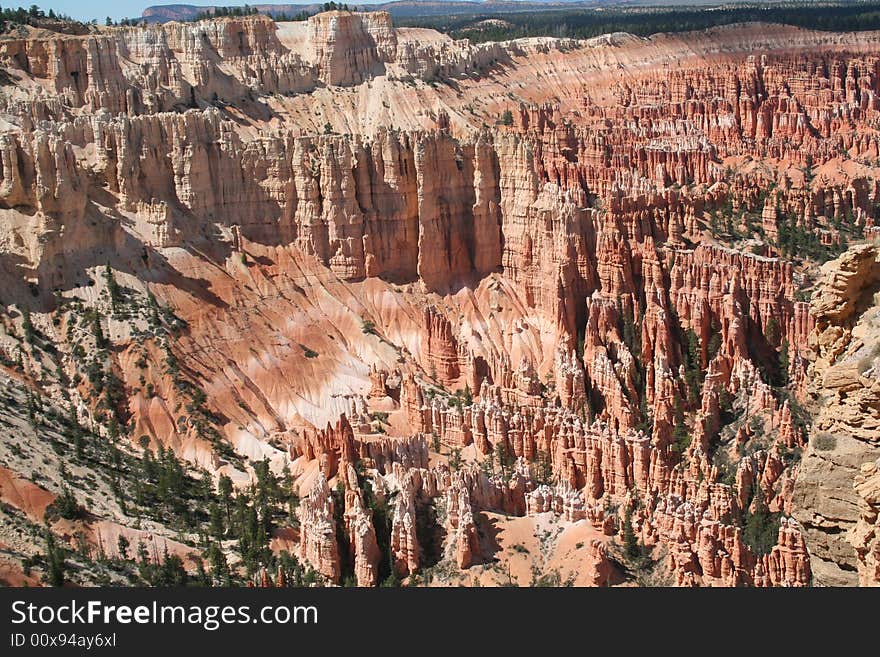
x: 331, y: 302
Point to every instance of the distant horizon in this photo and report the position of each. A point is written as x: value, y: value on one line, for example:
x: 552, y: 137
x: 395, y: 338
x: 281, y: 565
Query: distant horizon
x: 100, y: 10
x: 118, y: 9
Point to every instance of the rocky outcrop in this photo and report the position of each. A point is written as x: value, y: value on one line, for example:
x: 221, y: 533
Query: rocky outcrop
x: 348, y: 48
x: 318, y: 545
x: 439, y: 347
x: 461, y: 531
x: 405, y: 548
x: 364, y: 547
x: 708, y: 551
x: 865, y: 536
x: 146, y: 70
x: 329, y: 447
x: 845, y: 387
x: 603, y: 570
x: 788, y: 563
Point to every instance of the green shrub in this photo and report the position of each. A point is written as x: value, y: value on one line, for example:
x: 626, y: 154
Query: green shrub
x: 824, y: 442
x: 761, y: 527
x: 65, y: 506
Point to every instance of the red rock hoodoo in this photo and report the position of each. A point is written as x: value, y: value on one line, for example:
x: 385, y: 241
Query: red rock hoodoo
x: 305, y: 266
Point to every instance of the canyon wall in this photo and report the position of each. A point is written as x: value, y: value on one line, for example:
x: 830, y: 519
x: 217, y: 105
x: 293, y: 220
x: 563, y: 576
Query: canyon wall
x: 539, y: 278
x: 832, y: 490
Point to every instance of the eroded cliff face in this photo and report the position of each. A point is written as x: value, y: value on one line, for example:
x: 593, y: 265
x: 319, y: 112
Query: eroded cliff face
x: 864, y: 537
x: 834, y: 495
x: 443, y: 292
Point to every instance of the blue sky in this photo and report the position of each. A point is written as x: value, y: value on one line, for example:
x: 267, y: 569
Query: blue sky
x: 100, y: 9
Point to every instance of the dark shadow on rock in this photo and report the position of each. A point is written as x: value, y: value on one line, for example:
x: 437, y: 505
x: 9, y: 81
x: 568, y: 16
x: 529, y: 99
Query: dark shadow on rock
x: 487, y: 532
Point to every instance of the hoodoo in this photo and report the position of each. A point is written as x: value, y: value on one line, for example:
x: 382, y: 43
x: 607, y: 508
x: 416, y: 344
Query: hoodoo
x: 332, y: 301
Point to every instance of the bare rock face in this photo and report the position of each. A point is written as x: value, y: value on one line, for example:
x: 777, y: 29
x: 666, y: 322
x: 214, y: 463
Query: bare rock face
x: 788, y: 563
x: 603, y: 569
x: 364, y: 547
x: 865, y: 536
x: 404, y: 540
x: 846, y: 388
x: 318, y: 546
x: 461, y: 530
x: 564, y: 500
x: 349, y: 48
x: 844, y: 284
x: 142, y: 70
x: 439, y: 347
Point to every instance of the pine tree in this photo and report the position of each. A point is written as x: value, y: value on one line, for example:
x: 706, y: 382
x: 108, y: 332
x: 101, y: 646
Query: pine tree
x: 693, y: 366
x: 761, y: 527
x: 455, y: 459
x: 219, y: 568
x: 55, y: 561
x: 75, y: 433
x: 680, y: 435
x: 202, y: 577
x: 98, y: 332
x: 784, y: 363
x: 771, y: 332
x: 122, y: 545
x: 27, y: 325
x: 218, y: 528
x: 113, y: 289
x: 224, y: 487
x: 630, y: 541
